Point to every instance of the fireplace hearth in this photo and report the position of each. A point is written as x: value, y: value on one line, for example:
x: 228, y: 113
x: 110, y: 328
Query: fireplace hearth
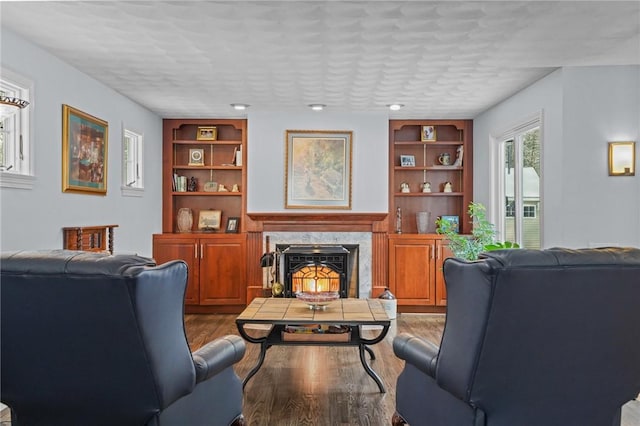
x: 319, y: 267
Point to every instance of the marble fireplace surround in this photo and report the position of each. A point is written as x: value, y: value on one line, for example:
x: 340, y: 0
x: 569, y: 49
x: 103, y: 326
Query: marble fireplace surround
x: 368, y: 230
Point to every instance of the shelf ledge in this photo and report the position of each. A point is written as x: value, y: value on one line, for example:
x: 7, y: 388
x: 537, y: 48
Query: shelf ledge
x: 430, y: 168
x: 197, y: 142
x: 217, y: 193
x: 428, y: 194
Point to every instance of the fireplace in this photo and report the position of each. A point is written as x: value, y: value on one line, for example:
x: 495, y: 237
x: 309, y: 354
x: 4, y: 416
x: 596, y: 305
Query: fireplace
x: 319, y: 267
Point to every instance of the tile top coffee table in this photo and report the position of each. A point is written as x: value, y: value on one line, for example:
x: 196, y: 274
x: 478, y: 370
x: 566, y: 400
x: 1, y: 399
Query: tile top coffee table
x: 292, y: 322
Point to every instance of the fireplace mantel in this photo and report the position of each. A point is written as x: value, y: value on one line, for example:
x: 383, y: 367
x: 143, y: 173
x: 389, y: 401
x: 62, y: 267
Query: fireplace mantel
x: 318, y: 222
x: 326, y: 223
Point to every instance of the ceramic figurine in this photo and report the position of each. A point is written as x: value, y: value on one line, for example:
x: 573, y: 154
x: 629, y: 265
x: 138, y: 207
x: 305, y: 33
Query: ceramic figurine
x: 426, y: 187
x: 404, y: 187
x: 459, y: 153
x: 221, y: 188
x: 193, y: 185
x: 235, y: 188
x: 447, y: 187
x: 398, y: 220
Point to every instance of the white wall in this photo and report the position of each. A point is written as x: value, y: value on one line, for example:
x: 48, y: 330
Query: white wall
x: 267, y: 150
x: 601, y: 104
x: 32, y: 219
x: 583, y: 108
x: 545, y: 97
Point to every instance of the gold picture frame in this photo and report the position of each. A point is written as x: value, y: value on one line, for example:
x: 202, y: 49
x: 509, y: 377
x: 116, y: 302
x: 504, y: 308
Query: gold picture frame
x: 209, y: 220
x: 85, y: 141
x: 207, y: 133
x: 428, y: 133
x: 318, y: 169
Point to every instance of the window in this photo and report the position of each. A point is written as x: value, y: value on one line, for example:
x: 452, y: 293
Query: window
x: 132, y: 182
x: 15, y: 144
x: 510, y: 209
x: 529, y: 211
x: 517, y: 183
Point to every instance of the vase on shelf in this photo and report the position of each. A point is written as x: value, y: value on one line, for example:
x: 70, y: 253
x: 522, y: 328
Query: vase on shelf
x: 185, y: 220
x: 422, y: 222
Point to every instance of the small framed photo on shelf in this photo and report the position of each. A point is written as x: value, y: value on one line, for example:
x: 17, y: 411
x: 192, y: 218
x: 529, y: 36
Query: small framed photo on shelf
x: 428, y: 134
x: 454, y: 222
x: 207, y: 133
x: 196, y: 157
x: 233, y: 223
x: 407, y: 161
x: 209, y: 220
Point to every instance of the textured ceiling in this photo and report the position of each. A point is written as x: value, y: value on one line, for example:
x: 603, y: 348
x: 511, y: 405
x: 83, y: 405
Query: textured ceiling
x: 440, y: 59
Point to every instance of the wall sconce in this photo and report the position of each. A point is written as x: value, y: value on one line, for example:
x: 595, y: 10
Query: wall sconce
x: 622, y: 158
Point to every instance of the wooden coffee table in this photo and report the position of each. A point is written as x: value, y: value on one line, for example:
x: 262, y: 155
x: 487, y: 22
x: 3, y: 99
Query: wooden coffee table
x: 347, y: 316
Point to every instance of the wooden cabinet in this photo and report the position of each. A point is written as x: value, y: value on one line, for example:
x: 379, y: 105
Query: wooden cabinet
x: 201, y: 156
x: 442, y: 253
x: 415, y: 260
x: 217, y: 268
x: 167, y: 247
x: 411, y: 268
x: 223, y: 271
x: 415, y: 272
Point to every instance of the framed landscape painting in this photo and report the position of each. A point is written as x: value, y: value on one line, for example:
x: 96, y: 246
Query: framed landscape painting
x: 84, y: 152
x: 318, y: 169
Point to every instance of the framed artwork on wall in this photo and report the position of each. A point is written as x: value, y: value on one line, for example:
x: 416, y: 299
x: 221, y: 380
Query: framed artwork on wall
x: 318, y: 169
x: 84, y: 152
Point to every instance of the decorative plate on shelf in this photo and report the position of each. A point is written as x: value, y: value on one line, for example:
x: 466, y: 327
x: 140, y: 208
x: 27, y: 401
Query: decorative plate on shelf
x: 318, y: 300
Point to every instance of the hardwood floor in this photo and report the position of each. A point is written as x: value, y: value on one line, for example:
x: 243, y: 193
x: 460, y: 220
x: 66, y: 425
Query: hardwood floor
x: 326, y: 386
x: 310, y: 385
x: 323, y: 386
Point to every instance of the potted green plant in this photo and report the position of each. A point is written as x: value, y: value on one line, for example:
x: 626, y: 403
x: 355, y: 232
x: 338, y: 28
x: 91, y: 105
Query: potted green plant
x: 482, y: 236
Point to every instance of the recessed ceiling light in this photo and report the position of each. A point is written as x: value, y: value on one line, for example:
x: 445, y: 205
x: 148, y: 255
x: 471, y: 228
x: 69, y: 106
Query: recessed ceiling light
x: 240, y: 107
x: 317, y: 107
x: 395, y: 107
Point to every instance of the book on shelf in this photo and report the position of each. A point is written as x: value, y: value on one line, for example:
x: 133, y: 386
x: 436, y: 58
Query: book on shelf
x: 179, y: 183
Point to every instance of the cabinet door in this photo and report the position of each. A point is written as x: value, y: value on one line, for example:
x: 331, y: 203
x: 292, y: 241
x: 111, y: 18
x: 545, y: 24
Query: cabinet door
x: 442, y: 252
x: 181, y: 248
x: 223, y: 271
x: 411, y: 265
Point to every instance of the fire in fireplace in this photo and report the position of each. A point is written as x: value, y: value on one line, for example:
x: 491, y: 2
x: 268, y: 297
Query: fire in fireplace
x: 325, y: 267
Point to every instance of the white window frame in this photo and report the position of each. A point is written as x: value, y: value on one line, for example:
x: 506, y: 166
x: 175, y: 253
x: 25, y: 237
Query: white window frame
x: 132, y: 171
x: 498, y: 215
x: 534, y: 209
x: 19, y: 150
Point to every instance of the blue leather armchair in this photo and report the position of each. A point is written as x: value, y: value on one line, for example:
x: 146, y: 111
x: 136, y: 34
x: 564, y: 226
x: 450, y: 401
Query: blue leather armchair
x: 95, y: 339
x: 532, y: 338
